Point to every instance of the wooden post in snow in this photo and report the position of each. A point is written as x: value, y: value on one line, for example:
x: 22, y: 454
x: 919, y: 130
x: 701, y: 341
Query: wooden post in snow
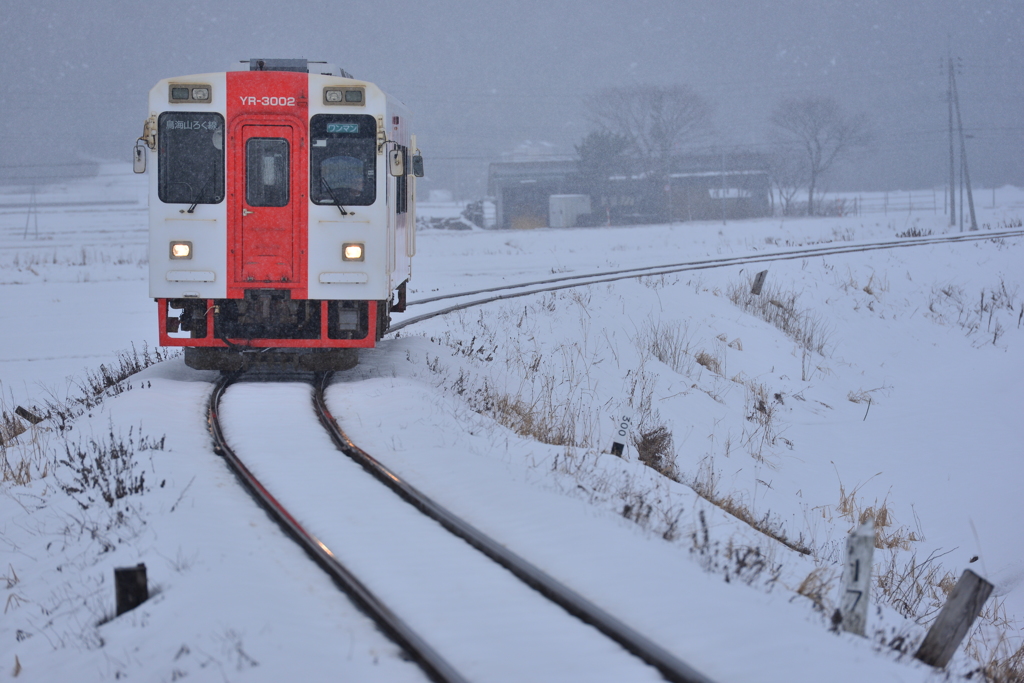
x: 955, y: 619
x: 130, y: 587
x: 758, y: 282
x: 860, y: 549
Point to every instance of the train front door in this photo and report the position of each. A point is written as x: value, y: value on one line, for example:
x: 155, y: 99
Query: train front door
x: 268, y: 205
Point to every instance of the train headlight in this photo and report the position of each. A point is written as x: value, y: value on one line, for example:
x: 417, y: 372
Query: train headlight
x: 352, y: 251
x: 200, y: 94
x: 334, y: 95
x: 181, y: 250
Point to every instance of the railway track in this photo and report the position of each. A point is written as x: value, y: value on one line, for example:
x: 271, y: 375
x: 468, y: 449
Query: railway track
x: 581, y: 280
x: 380, y: 601
x: 512, y: 586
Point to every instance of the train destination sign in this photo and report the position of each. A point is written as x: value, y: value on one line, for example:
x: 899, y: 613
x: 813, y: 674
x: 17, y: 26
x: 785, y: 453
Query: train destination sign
x: 342, y: 127
x: 192, y: 124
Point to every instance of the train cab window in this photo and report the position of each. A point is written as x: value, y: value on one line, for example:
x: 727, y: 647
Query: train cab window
x: 343, y: 159
x: 266, y: 172
x: 191, y: 158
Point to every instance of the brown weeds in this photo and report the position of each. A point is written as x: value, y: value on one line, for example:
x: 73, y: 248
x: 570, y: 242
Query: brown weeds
x: 817, y: 586
x: 710, y: 362
x: 654, y: 449
x: 705, y: 485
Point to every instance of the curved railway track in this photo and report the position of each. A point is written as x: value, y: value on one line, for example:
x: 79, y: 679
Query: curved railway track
x: 422, y: 652
x: 432, y: 662
x: 582, y: 280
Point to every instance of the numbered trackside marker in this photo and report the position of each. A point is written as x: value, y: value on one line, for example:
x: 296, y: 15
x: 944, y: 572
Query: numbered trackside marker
x: 623, y: 427
x: 860, y: 549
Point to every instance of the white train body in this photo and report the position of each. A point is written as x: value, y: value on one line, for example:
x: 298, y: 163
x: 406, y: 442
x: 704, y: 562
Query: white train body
x: 281, y: 209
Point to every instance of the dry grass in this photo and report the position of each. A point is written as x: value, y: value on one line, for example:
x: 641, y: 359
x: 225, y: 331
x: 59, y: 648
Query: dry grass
x: 669, y: 343
x: 705, y: 485
x: 1002, y: 661
x: 24, y: 455
x: 708, y: 361
x: 779, y: 308
x: 648, y: 504
x: 104, y: 469
x: 888, y: 534
x: 10, y: 427
x: 817, y: 586
x: 543, y: 418
x: 760, y: 410
x: 734, y: 562
x: 25, y: 449
x: 654, y: 449
x: 866, y: 395
x: 917, y: 590
x: 128, y: 363
x: 987, y: 315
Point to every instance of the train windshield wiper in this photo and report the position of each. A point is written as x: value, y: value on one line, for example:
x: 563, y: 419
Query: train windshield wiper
x: 330, y: 191
x: 198, y: 197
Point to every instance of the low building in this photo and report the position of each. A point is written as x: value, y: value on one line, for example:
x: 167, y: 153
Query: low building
x: 709, y: 187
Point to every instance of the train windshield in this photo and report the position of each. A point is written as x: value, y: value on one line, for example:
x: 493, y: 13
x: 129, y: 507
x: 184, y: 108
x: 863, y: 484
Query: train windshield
x: 191, y: 158
x: 343, y: 159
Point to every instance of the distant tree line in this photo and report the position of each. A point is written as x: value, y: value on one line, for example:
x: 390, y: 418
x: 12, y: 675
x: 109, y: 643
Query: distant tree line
x: 639, y: 129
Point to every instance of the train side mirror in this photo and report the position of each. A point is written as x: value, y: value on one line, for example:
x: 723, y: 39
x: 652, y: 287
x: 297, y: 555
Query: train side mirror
x: 396, y: 163
x: 417, y: 166
x: 139, y: 158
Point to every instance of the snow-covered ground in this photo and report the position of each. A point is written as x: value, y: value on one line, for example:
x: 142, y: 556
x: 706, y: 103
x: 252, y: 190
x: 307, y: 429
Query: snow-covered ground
x: 896, y: 395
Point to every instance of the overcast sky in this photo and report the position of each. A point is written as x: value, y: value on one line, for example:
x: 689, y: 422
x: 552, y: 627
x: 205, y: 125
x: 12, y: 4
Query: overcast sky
x: 483, y: 77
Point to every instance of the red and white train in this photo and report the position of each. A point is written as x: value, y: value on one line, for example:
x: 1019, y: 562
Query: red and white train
x: 281, y: 213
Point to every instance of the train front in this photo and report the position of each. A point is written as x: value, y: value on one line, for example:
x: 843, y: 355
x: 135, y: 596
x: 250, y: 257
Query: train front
x: 281, y: 214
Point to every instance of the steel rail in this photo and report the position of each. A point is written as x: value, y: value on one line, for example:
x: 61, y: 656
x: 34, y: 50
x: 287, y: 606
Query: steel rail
x: 648, y: 271
x: 671, y: 667
x: 639, y: 271
x: 435, y: 666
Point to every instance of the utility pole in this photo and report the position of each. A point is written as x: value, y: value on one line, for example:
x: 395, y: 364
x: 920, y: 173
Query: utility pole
x: 952, y: 154
x: 33, y: 210
x: 723, y: 186
x: 963, y: 154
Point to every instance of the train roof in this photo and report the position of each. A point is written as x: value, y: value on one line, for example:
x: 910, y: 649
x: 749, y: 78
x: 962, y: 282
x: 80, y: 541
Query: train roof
x: 296, y: 65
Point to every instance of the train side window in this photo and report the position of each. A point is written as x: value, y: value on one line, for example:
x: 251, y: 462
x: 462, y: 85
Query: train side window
x: 266, y: 172
x: 190, y: 157
x: 343, y: 159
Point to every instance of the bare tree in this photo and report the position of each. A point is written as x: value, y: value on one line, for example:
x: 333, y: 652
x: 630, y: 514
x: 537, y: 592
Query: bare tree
x: 788, y: 176
x: 817, y: 127
x: 657, y: 121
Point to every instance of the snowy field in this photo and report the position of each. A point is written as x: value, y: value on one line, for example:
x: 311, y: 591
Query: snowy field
x: 882, y: 385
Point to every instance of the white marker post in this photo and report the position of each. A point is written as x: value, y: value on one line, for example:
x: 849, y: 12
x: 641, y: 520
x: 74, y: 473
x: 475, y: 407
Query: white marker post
x: 856, y: 587
x: 623, y: 428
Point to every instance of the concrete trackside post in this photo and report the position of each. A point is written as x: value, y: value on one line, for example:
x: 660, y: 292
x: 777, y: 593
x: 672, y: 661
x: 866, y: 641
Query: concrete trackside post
x: 623, y: 429
x: 955, y: 619
x: 856, y: 586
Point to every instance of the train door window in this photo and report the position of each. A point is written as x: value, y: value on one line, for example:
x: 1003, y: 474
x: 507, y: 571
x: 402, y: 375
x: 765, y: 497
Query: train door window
x: 191, y: 157
x: 343, y: 159
x: 266, y: 172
